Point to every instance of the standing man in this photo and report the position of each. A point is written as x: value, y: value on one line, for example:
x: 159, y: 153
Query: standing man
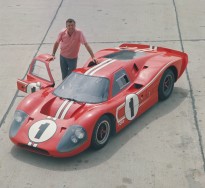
x: 70, y: 39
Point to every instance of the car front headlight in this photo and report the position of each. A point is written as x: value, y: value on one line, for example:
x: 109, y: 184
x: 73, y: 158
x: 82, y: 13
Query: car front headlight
x: 19, y: 118
x: 73, y: 138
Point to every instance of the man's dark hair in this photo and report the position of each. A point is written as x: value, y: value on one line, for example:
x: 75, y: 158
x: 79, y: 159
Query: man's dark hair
x: 70, y: 20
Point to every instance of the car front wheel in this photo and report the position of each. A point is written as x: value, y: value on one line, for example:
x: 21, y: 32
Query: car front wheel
x: 101, y: 133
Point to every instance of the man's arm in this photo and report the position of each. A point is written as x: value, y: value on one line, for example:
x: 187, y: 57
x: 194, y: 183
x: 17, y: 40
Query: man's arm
x: 55, y: 47
x: 87, y: 46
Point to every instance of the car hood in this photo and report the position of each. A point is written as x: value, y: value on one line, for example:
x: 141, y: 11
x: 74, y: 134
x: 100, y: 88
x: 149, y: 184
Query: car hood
x: 49, y: 118
x: 59, y: 108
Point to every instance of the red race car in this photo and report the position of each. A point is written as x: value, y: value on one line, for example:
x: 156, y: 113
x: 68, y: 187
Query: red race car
x: 93, y: 101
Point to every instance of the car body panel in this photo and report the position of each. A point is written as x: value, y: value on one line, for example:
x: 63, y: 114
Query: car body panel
x: 39, y: 65
x: 141, y: 66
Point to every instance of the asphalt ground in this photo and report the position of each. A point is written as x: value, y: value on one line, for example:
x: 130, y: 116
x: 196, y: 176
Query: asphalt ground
x: 164, y: 148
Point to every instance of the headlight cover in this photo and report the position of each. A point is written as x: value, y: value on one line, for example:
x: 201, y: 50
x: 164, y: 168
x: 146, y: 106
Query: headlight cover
x: 73, y: 138
x: 19, y: 118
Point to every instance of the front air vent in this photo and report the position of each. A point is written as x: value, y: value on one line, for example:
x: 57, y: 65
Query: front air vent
x: 135, y: 67
x: 138, y: 86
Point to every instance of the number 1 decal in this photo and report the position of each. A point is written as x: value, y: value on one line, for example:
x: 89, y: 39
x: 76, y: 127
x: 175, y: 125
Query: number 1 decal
x: 42, y: 130
x: 131, y: 106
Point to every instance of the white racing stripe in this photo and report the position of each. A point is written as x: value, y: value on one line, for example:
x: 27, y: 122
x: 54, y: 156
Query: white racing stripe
x: 117, y: 111
x: 95, y: 67
x: 61, y: 108
x: 66, y: 109
x: 22, y: 82
x: 32, y: 144
x: 108, y: 63
x: 153, y: 47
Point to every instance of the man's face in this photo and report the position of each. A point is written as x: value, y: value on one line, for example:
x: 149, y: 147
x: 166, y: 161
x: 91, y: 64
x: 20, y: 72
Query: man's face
x: 71, y: 27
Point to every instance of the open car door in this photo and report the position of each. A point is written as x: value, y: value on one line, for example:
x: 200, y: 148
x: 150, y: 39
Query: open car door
x: 39, y: 75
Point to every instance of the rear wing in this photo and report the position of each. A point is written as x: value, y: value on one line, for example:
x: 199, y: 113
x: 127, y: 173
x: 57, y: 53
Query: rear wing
x: 150, y: 48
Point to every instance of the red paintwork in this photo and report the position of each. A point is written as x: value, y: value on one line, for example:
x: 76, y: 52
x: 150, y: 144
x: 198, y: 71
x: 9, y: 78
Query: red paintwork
x: 23, y: 83
x: 150, y: 68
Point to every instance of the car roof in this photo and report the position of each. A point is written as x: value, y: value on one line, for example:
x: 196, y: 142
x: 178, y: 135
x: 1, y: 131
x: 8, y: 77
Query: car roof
x: 111, y: 60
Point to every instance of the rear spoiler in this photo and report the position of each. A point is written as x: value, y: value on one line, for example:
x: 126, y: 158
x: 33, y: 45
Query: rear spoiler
x: 144, y: 47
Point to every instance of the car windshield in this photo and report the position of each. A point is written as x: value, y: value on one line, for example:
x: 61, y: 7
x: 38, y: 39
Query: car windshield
x: 83, y: 88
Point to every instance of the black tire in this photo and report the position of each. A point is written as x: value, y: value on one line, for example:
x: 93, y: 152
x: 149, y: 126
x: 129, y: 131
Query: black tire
x: 166, y: 85
x: 101, y: 133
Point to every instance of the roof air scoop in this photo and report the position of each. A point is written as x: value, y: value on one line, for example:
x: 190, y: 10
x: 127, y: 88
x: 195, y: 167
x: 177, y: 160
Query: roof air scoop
x: 92, y: 63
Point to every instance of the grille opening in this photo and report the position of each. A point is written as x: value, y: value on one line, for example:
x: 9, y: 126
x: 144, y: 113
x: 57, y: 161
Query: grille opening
x: 35, y: 150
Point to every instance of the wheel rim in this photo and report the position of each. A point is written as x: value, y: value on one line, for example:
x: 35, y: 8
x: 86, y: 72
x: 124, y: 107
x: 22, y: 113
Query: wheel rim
x: 168, y: 84
x: 103, y: 132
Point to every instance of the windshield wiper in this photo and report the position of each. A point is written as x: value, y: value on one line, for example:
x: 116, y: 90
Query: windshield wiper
x: 71, y: 99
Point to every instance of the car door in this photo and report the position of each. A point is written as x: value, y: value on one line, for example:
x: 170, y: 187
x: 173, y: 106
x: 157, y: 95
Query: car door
x: 39, y: 75
x: 127, y: 101
x: 128, y: 97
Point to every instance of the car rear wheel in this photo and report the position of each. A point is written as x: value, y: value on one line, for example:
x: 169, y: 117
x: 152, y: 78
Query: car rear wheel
x: 166, y: 85
x: 101, y: 133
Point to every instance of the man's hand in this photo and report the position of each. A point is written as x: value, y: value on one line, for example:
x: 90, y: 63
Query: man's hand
x: 95, y: 60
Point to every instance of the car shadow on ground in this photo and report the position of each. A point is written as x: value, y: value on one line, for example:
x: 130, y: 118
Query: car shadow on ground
x: 90, y: 158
